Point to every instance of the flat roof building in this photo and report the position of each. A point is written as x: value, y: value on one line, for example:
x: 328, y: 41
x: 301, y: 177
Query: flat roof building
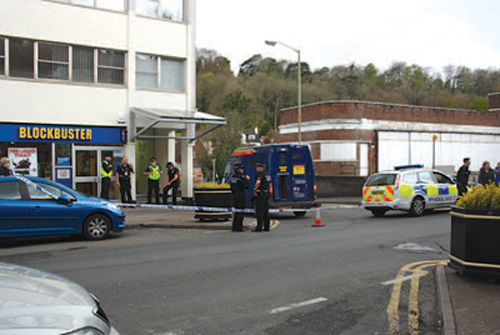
x: 357, y: 138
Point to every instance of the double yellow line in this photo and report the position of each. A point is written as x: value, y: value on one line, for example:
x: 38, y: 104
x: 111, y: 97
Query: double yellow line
x: 413, y: 271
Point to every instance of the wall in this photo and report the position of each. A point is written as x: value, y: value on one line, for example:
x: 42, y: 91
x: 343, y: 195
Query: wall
x: 336, y: 186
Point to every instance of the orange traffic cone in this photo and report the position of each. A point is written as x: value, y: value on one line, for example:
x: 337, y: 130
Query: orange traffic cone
x: 318, y: 222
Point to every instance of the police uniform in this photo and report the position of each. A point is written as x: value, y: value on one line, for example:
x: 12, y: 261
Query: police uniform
x: 106, y: 174
x: 172, y: 172
x: 123, y: 172
x: 262, y: 199
x: 154, y: 182
x: 239, y: 185
x: 463, y: 179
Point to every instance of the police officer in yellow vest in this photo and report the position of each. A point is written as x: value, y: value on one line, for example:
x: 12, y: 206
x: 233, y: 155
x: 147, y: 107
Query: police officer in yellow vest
x: 106, y: 174
x: 154, y: 172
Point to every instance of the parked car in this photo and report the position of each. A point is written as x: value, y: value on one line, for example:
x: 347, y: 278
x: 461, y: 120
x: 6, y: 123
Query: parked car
x: 25, y: 210
x: 41, y: 303
x: 410, y: 188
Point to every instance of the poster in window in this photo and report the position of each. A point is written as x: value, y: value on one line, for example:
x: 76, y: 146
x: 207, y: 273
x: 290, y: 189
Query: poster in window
x: 24, y: 161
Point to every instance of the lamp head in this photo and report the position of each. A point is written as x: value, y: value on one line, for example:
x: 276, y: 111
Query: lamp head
x: 271, y: 43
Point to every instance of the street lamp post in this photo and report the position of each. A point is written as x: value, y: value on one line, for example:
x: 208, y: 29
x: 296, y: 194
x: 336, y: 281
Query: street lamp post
x: 299, y: 117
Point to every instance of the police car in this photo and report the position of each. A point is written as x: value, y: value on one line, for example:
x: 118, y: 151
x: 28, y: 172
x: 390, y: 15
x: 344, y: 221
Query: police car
x: 410, y: 188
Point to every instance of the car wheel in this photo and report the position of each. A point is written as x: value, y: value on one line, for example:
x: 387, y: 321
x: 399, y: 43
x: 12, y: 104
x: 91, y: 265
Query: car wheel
x: 300, y: 214
x: 378, y: 212
x: 96, y: 227
x: 417, y: 207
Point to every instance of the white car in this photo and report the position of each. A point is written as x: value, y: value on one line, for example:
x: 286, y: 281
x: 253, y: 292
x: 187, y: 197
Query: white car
x: 411, y: 188
x: 37, y: 302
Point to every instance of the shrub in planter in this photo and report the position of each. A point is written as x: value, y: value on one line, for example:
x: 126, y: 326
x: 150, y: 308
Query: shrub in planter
x: 475, y: 232
x: 212, y: 195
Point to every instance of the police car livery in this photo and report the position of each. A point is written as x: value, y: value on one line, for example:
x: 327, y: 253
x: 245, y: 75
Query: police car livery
x: 411, y: 188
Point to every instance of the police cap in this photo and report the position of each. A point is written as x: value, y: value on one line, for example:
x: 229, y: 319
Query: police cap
x: 153, y: 159
x: 170, y: 164
x: 238, y: 166
x: 260, y: 164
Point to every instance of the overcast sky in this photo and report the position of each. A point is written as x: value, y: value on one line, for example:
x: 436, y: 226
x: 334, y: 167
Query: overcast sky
x: 431, y: 33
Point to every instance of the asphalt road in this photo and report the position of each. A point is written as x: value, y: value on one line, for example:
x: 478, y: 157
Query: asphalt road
x: 328, y: 280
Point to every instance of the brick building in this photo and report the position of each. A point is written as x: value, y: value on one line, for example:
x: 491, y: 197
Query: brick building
x: 357, y: 138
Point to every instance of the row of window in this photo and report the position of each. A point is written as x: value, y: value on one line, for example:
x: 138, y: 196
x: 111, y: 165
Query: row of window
x: 20, y: 58
x: 164, y: 9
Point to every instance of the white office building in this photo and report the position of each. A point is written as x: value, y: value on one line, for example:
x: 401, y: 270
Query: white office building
x: 80, y: 79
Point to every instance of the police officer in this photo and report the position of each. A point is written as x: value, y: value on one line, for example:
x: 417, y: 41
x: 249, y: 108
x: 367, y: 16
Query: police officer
x: 106, y: 174
x: 154, y: 173
x: 239, y: 185
x: 463, y: 177
x: 261, y: 190
x: 172, y: 183
x: 123, y: 172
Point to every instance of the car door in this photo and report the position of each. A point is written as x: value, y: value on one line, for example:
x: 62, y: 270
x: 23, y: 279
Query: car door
x: 14, y: 211
x: 447, y: 188
x: 428, y: 185
x: 49, y: 216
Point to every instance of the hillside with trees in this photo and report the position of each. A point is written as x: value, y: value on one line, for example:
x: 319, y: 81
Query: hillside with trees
x: 253, y: 97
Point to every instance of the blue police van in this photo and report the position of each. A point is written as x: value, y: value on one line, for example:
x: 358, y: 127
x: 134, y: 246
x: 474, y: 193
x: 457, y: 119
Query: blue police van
x: 291, y: 168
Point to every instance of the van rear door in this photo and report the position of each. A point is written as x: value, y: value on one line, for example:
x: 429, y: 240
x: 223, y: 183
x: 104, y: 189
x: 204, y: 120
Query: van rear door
x: 282, y: 180
x: 300, y: 168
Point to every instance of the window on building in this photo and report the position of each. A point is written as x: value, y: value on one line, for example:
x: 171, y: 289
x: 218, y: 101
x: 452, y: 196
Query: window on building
x: 160, y: 73
x: 111, y: 67
x: 339, y: 152
x: 146, y: 71
x: 172, y: 75
x: 165, y: 9
x: 83, y: 65
x: 21, y: 57
x: 2, y: 56
x: 172, y: 10
x: 53, y: 61
x: 116, y: 5
x: 89, y: 3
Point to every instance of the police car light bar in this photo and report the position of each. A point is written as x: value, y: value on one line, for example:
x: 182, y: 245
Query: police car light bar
x: 403, y: 167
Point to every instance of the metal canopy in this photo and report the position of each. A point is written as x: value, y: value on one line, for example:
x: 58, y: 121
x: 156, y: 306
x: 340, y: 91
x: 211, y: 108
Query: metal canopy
x: 165, y: 118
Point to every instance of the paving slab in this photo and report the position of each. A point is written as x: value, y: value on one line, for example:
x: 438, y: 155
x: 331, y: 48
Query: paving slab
x: 476, y: 304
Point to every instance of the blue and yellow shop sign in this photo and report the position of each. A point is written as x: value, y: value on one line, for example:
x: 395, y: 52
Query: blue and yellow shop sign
x: 13, y: 132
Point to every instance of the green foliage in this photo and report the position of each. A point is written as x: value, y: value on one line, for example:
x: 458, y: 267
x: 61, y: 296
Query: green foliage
x: 481, y: 197
x: 479, y: 104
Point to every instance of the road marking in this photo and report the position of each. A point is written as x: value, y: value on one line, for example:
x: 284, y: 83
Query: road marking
x: 413, y: 247
x: 413, y: 312
x: 402, y: 279
x: 297, y: 305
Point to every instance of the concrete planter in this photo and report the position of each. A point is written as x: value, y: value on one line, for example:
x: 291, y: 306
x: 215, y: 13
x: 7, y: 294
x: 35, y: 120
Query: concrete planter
x: 212, y: 198
x: 475, y: 242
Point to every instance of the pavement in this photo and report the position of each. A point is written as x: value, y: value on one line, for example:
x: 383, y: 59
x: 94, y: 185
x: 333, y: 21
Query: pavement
x: 475, y: 304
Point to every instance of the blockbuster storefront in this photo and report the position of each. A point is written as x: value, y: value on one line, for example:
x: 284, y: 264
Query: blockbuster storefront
x: 70, y: 155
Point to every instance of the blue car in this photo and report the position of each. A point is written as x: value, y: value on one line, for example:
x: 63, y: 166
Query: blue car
x: 34, y: 206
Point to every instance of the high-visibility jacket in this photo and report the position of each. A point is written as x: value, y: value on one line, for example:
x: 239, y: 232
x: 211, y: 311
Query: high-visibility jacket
x: 104, y: 173
x: 154, y: 172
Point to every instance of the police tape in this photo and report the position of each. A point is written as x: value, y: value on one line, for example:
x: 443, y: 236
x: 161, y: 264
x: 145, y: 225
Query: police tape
x: 193, y: 208
x: 230, y: 209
